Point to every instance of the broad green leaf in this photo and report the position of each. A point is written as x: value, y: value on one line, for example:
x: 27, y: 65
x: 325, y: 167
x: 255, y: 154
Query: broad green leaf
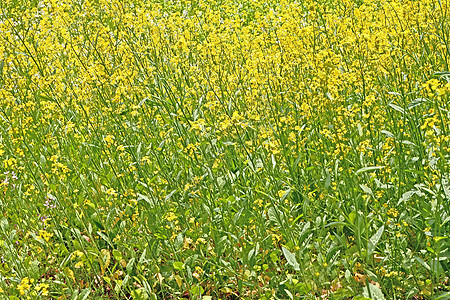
x: 34, y: 268
x: 373, y: 292
x: 125, y: 280
x: 348, y: 275
x: 352, y: 217
x: 106, y: 238
x: 75, y: 295
x: 373, y: 241
x: 178, y: 265
x: 366, y: 189
x: 290, y: 257
x: 139, y: 294
x: 117, y: 255
x: 289, y: 294
x: 274, y: 215
x: 85, y: 294
x: 130, y: 265
x: 4, y: 224
x: 274, y: 256
x: 422, y: 262
x: 197, y: 290
x: 142, y: 257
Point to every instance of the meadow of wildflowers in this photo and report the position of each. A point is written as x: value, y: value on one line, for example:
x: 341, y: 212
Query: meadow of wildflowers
x: 222, y: 149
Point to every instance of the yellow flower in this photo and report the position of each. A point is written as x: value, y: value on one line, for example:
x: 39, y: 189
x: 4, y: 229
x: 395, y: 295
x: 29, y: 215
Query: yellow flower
x: 198, y: 125
x: 281, y: 193
x: 170, y: 217
x: 24, y: 285
x: 199, y: 270
x: 393, y: 212
x: 43, y: 287
x: 109, y: 139
x: 200, y: 240
x: 259, y: 202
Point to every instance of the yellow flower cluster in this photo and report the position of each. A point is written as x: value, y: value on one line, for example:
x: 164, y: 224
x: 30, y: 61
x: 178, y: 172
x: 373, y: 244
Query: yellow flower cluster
x: 43, y: 288
x: 24, y: 285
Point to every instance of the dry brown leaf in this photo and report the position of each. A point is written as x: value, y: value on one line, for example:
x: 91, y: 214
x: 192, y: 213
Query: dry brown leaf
x: 361, y: 278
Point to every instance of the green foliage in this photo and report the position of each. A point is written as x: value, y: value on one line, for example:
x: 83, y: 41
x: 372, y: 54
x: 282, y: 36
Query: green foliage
x: 224, y: 149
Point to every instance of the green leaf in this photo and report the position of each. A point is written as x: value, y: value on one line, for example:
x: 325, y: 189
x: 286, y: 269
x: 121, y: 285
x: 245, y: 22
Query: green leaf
x: 178, y: 265
x: 351, y: 217
x: 139, y: 294
x: 125, y: 280
x: 373, y: 241
x: 274, y: 256
x: 4, y: 224
x: 142, y: 258
x: 274, y: 215
x: 367, y: 169
x: 442, y: 296
x: 105, y: 237
x: 253, y: 254
x: 436, y: 267
x: 397, y: 108
x: 289, y: 294
x: 169, y: 195
x: 422, y: 262
x: 416, y: 102
x: 34, y: 268
x: 197, y: 290
x: 117, y: 255
x: 146, y: 199
x: 442, y: 73
x: 85, y: 293
x: 335, y: 224
x: 348, y: 275
x: 373, y: 292
x: 63, y: 250
x: 388, y: 133
x: 130, y: 265
x: 290, y: 257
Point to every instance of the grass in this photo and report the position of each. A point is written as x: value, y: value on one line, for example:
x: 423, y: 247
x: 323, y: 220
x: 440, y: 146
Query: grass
x: 224, y: 149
